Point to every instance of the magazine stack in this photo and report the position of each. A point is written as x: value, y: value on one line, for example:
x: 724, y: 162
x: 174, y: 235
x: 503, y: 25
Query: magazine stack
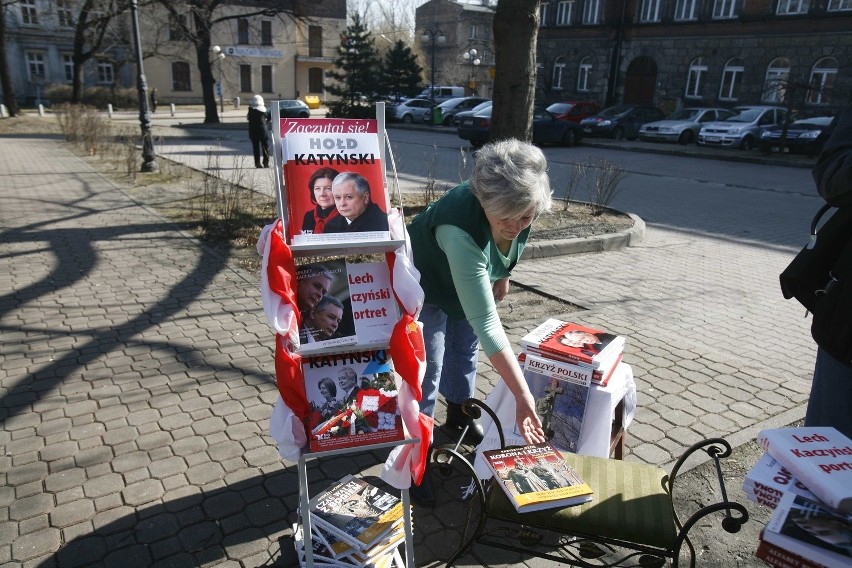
x: 354, y: 525
x: 806, y: 476
x: 560, y: 361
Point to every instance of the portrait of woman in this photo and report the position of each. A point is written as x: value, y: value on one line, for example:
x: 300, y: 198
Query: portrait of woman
x: 328, y: 391
x: 319, y: 188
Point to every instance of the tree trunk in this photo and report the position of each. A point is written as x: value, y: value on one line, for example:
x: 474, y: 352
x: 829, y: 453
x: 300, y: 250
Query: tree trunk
x: 205, y: 69
x: 515, y: 35
x: 5, y: 80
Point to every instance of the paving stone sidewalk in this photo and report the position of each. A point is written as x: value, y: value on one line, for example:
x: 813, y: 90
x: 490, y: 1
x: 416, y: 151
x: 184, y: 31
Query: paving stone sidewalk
x: 136, y: 374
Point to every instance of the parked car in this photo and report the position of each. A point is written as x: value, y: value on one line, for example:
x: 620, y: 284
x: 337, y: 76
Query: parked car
x: 547, y: 129
x: 574, y: 111
x: 451, y: 107
x: 741, y: 129
x: 413, y: 110
x: 442, y: 93
x: 457, y: 118
x: 804, y: 136
x: 620, y: 121
x: 682, y: 126
x: 293, y: 108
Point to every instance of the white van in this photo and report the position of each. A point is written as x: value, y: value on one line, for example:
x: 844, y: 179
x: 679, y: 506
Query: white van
x: 442, y: 93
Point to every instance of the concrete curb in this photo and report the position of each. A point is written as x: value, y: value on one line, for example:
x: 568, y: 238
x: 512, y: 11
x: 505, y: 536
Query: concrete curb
x: 597, y: 243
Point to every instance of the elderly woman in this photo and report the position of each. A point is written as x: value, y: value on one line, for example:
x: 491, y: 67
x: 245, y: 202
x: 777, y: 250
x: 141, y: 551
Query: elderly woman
x: 465, y: 246
x: 319, y: 188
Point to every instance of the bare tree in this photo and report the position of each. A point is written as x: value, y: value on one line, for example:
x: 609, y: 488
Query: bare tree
x: 95, y: 36
x: 194, y: 21
x: 515, y: 35
x: 5, y: 79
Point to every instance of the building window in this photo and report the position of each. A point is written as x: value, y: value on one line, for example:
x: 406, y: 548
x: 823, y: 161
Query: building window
x: 245, y: 78
x: 28, y: 12
x: 266, y: 78
x: 474, y: 32
x: 64, y: 13
x: 35, y: 65
x: 724, y: 9
x: 777, y: 77
x: 790, y: 7
x: 591, y: 11
x: 685, y: 11
x: 558, y: 73
x: 266, y: 32
x: 68, y: 67
x: 177, y: 27
x: 583, y: 74
x: 564, y: 13
x: 695, y: 79
x: 242, y: 31
x: 649, y: 11
x: 106, y: 73
x: 315, y: 41
x: 839, y: 5
x: 823, y: 76
x: 732, y: 80
x: 316, y: 83
x: 543, y: 14
x: 181, y: 79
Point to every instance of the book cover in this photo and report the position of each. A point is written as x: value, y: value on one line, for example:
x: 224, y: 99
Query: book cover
x: 780, y: 558
x: 344, y: 553
x: 536, y: 477
x: 343, y: 303
x: 572, y: 341
x: 600, y: 371
x: 356, y: 511
x: 811, y: 530
x: 353, y: 399
x: 322, y: 554
x: 352, y: 163
x: 819, y: 457
x: 767, y: 481
x: 561, y: 392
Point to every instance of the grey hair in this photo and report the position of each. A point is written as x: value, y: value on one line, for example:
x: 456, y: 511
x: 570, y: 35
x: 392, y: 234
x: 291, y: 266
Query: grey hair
x: 325, y: 301
x: 361, y: 183
x: 510, y: 178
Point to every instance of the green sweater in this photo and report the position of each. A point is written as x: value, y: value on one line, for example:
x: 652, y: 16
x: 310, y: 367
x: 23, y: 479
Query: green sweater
x: 458, y: 261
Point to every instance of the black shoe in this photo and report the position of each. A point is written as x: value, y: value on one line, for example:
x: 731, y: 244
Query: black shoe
x: 266, y: 164
x: 258, y: 166
x: 457, y: 420
x: 423, y: 494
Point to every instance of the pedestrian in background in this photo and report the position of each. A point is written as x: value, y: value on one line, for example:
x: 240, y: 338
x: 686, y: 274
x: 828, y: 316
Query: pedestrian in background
x: 154, y: 100
x: 258, y: 124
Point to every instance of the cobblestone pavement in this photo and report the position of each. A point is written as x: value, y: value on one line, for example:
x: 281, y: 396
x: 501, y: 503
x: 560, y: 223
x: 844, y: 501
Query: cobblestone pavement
x: 136, y: 374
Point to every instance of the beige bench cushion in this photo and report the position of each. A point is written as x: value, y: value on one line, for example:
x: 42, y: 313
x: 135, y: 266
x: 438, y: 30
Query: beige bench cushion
x: 630, y: 503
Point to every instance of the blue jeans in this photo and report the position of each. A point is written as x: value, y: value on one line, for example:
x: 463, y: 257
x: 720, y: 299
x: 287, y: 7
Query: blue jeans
x: 451, y: 357
x: 830, y: 403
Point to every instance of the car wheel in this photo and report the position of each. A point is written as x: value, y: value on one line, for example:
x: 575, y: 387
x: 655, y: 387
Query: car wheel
x: 407, y: 118
x: 747, y: 144
x: 569, y: 138
x: 477, y: 144
x: 618, y: 134
x: 448, y: 120
x: 686, y: 137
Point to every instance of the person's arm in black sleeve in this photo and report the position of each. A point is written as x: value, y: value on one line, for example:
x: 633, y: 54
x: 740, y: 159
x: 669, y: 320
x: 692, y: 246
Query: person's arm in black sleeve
x: 833, y: 169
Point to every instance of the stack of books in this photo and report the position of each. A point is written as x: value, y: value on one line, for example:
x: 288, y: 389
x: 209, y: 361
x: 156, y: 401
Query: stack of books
x: 354, y: 525
x: 806, y: 476
x: 537, y: 477
x: 560, y: 361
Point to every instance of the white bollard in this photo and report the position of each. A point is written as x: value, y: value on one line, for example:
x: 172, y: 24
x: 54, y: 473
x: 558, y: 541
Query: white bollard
x: 109, y: 109
x: 236, y: 103
x: 41, y: 110
x: 172, y: 108
x: 3, y: 112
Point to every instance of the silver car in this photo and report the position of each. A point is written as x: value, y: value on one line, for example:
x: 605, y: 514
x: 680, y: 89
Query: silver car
x: 413, y: 110
x: 682, y: 126
x: 742, y: 129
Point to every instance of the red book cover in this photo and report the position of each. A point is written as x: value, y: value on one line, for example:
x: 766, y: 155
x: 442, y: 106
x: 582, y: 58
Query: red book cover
x: 780, y: 558
x: 572, y: 342
x: 335, y: 184
x: 353, y: 400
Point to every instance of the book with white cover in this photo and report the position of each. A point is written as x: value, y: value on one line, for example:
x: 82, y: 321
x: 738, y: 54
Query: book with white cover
x: 767, y: 481
x: 819, y: 456
x: 811, y: 530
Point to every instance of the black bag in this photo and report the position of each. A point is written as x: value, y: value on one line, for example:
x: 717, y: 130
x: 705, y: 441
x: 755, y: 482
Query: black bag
x: 820, y: 278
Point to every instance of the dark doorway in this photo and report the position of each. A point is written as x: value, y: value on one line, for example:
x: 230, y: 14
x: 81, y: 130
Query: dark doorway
x: 641, y: 81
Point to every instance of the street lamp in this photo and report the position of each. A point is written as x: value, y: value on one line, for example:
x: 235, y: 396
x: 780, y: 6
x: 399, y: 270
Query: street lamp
x: 435, y: 36
x: 219, y: 56
x: 148, y: 163
x: 471, y: 56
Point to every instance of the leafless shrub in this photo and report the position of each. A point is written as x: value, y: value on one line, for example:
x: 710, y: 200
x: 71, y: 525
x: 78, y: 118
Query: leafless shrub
x: 430, y: 193
x: 603, y: 179
x: 578, y: 173
x: 82, y: 125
